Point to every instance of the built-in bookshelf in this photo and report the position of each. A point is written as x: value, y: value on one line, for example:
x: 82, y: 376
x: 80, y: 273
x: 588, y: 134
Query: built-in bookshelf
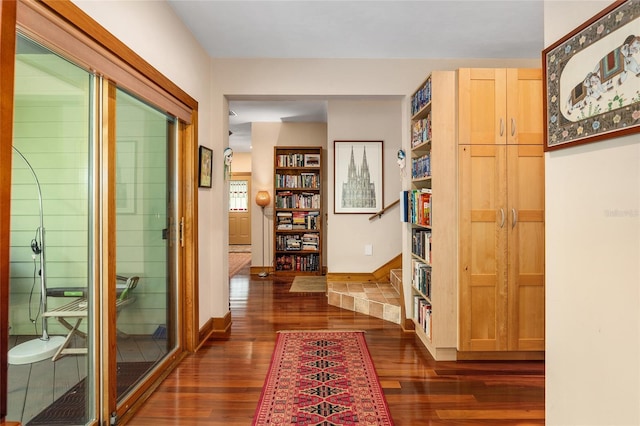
x: 429, y: 209
x: 419, y: 202
x: 297, y: 210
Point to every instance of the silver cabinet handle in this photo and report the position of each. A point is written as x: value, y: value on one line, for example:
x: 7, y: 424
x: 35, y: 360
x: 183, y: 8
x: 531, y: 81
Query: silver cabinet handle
x: 502, y: 219
x: 513, y: 126
x: 514, y: 213
x: 501, y: 127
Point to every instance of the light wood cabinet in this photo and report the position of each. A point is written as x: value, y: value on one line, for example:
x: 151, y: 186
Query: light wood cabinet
x: 500, y: 106
x: 486, y: 291
x: 501, y: 247
x: 501, y: 211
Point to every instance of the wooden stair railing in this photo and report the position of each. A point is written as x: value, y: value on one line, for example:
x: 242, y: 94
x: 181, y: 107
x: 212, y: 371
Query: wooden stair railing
x: 381, y: 212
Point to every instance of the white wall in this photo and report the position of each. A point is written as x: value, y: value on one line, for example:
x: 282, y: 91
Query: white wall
x: 349, y: 233
x: 593, y: 268
x: 241, y: 162
x: 154, y: 32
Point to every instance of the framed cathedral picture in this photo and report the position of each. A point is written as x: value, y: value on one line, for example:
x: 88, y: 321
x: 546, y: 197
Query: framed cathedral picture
x: 357, y: 177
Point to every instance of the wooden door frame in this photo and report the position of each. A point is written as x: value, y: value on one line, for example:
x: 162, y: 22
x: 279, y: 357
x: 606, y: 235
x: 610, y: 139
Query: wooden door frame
x: 7, y: 65
x: 72, y: 19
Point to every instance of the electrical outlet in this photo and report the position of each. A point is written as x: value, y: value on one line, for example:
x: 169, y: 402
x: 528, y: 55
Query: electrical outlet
x: 368, y: 250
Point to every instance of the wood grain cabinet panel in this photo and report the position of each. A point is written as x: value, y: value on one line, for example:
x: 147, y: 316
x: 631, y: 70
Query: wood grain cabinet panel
x: 500, y: 106
x: 501, y: 248
x: 501, y: 210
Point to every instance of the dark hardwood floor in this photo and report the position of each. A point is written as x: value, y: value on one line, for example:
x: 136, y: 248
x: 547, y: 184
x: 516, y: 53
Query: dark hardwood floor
x: 221, y: 383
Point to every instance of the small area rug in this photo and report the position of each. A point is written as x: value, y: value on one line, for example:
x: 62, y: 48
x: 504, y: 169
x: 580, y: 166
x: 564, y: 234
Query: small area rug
x: 238, y: 261
x: 309, y: 284
x: 322, y: 378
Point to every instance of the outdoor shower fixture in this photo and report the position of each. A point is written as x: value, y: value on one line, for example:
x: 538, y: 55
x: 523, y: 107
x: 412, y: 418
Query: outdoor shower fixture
x: 44, y: 347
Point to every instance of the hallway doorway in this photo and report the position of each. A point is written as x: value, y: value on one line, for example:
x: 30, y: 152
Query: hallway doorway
x: 239, y: 209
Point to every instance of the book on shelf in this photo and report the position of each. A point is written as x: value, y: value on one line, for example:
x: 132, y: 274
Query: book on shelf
x: 421, y: 166
x: 404, y: 206
x: 312, y: 160
x: 425, y: 200
x: 421, y: 97
x: 284, y: 221
x: 421, y: 277
x: 422, y: 314
x: 309, y: 180
x: 309, y: 262
x: 421, y: 131
x: 421, y: 244
x: 310, y: 241
x: 419, y: 205
x: 290, y: 160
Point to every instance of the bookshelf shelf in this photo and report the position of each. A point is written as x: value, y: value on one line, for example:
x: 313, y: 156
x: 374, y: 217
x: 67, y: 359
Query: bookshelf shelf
x: 431, y: 215
x: 298, y: 247
x: 422, y: 179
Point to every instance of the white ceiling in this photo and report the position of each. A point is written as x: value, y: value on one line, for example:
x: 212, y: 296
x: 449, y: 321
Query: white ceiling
x: 355, y: 29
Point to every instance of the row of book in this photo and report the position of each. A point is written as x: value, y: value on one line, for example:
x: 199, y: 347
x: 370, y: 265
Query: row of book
x: 421, y: 166
x: 302, y: 180
x: 290, y: 221
x: 421, y: 277
x: 416, y: 206
x: 421, y: 98
x: 296, y: 242
x: 296, y: 262
x: 421, y: 244
x: 290, y: 160
x: 422, y: 314
x: 303, y: 200
x: 421, y: 131
x: 298, y: 160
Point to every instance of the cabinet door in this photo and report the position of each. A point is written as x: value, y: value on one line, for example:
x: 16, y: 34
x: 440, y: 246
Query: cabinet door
x: 483, y: 248
x: 482, y: 106
x: 525, y: 169
x: 524, y: 106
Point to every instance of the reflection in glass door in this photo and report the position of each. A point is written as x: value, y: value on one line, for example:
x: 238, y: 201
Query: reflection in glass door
x: 53, y: 278
x: 51, y: 240
x: 145, y: 140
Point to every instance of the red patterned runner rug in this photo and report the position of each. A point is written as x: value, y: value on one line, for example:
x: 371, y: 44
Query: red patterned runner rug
x: 322, y: 378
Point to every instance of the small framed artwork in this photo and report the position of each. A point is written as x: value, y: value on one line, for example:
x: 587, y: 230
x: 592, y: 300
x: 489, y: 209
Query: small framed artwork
x: 358, y: 177
x: 206, y: 163
x: 592, y: 79
x: 312, y: 160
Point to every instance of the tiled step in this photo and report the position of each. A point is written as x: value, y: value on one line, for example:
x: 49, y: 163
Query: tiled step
x: 396, y: 279
x: 380, y: 300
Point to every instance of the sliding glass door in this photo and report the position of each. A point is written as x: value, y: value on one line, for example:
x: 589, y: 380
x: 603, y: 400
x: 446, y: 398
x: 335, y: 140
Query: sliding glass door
x: 145, y: 228
x: 52, y: 238
x: 68, y: 194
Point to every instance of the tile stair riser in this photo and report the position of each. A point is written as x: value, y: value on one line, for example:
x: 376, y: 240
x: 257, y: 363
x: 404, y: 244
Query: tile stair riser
x: 362, y: 305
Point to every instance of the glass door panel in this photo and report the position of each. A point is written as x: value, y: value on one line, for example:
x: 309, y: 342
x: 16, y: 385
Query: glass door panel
x: 51, y: 240
x: 145, y: 140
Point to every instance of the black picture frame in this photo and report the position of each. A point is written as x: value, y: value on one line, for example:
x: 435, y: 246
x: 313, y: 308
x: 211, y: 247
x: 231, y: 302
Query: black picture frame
x: 205, y: 161
x: 366, y: 158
